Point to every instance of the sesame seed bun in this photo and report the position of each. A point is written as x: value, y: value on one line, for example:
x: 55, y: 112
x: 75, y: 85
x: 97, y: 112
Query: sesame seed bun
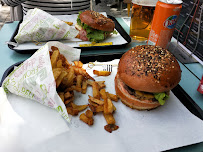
x: 149, y: 69
x: 97, y: 21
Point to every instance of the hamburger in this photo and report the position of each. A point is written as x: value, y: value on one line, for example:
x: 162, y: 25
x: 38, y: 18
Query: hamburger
x: 145, y: 76
x: 94, y: 27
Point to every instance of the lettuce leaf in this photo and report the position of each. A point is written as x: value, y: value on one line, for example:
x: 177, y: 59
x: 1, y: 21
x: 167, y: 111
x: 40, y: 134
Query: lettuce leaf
x: 95, y: 36
x: 161, y: 97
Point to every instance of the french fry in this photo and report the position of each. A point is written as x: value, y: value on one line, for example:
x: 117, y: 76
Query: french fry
x: 86, y: 119
x: 109, y: 118
x: 92, y: 103
x: 61, y: 95
x: 69, y: 23
x: 83, y: 72
x: 71, y: 88
x: 79, y: 79
x: 111, y: 128
x: 99, y: 108
x: 100, y: 83
x: 69, y: 100
x: 78, y: 64
x: 103, y: 94
x: 53, y: 48
x: 89, y: 82
x: 79, y: 107
x: 106, y: 111
x: 110, y: 106
x: 84, y: 87
x: 89, y: 113
x: 105, y: 97
x: 112, y: 96
x: 54, y: 58
x: 66, y: 64
x: 56, y: 72
x: 68, y: 94
x: 68, y: 80
x: 97, y: 101
x: 95, y: 90
x: 60, y: 78
x: 93, y: 109
x: 71, y: 111
x: 73, y: 77
x: 96, y: 108
x: 59, y: 63
x: 101, y: 73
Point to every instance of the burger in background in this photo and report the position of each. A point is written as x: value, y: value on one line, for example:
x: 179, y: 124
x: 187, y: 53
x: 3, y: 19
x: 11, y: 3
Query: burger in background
x: 145, y: 76
x: 94, y: 27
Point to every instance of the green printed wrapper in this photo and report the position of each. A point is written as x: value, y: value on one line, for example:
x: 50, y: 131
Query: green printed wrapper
x: 34, y: 78
x: 40, y: 26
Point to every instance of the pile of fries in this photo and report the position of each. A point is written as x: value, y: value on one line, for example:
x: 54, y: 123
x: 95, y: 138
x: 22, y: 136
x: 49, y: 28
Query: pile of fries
x: 70, y: 78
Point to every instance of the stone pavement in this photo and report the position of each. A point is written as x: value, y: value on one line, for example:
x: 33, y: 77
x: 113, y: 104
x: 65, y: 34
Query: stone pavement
x: 4, y: 15
x: 101, y: 7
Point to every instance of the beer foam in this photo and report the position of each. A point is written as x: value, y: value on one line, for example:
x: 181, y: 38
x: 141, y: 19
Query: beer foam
x: 172, y: 1
x: 145, y: 2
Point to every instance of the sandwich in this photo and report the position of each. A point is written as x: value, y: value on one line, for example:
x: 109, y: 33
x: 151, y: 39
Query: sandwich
x: 94, y: 27
x: 145, y: 76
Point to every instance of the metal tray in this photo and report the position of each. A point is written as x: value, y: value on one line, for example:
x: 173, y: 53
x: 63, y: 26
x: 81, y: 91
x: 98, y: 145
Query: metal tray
x: 118, y: 27
x: 178, y: 91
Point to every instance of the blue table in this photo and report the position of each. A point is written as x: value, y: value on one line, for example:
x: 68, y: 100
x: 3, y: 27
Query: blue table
x: 191, y: 73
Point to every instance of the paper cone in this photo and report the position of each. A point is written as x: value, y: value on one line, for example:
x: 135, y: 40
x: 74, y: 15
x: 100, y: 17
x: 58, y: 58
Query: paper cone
x: 34, y: 77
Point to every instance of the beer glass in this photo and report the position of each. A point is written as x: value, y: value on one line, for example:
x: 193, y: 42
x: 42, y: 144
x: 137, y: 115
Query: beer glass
x: 141, y: 18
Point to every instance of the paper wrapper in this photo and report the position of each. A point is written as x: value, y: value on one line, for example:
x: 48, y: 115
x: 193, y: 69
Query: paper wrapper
x: 34, y: 78
x: 40, y: 26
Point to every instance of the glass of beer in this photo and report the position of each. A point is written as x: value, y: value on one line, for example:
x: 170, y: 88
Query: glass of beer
x: 141, y: 19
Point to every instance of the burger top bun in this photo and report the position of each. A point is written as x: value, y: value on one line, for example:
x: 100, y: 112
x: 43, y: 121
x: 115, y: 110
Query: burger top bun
x: 150, y: 69
x: 97, y: 21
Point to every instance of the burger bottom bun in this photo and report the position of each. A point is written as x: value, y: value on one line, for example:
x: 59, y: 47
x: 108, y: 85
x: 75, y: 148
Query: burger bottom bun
x: 130, y: 100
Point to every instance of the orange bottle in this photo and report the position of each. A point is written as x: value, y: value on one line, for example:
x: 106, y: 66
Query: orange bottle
x: 163, y: 23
